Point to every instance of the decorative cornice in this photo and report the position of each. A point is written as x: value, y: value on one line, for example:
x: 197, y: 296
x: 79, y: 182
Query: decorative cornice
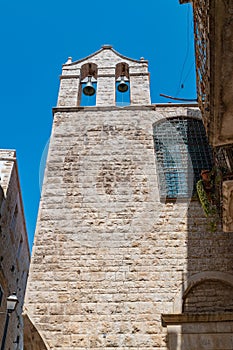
x: 69, y: 76
x: 131, y: 107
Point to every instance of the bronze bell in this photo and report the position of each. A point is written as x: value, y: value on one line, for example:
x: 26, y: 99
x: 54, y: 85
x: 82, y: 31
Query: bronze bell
x: 122, y: 87
x: 89, y: 89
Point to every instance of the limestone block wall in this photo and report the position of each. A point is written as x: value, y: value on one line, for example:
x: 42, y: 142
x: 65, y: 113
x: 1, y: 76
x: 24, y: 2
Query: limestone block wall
x: 109, y: 257
x: 105, y: 94
x: 14, y: 250
x: 140, y: 90
x: 68, y: 93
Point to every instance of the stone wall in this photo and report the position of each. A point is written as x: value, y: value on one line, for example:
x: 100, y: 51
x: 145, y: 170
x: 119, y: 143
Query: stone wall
x: 109, y: 257
x: 14, y: 250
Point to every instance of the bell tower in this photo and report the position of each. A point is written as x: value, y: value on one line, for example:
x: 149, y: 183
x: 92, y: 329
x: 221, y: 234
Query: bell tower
x: 117, y: 242
x: 107, y: 69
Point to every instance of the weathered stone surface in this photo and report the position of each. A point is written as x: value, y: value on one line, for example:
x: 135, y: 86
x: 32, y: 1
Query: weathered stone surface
x: 14, y: 250
x: 109, y: 257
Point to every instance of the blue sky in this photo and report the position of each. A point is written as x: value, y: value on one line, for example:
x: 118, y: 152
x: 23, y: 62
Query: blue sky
x: 38, y: 36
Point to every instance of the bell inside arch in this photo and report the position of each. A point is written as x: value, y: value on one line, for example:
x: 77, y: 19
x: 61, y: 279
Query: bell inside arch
x: 122, y: 87
x: 89, y: 89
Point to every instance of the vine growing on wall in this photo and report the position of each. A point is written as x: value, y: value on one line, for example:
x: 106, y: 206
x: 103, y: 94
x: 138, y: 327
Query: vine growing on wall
x: 208, y: 193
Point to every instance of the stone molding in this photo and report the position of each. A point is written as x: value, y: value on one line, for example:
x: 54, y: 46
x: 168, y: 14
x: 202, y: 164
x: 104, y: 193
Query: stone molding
x: 176, y: 319
x: 105, y: 47
x: 131, y: 107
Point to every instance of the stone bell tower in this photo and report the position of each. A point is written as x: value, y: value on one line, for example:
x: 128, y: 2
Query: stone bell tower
x: 108, y: 65
x: 116, y: 232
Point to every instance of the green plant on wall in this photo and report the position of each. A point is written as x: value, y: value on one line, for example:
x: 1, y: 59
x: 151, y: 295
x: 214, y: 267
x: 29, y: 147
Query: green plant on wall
x: 206, y: 204
x: 207, y: 190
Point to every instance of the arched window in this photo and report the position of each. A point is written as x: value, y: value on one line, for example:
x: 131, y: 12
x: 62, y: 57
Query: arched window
x: 88, y: 85
x: 122, y: 84
x: 182, y: 151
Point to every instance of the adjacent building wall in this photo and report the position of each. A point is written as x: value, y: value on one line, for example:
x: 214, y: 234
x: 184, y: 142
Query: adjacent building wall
x: 14, y: 250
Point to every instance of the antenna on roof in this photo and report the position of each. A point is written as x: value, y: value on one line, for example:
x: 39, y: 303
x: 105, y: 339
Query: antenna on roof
x: 179, y: 99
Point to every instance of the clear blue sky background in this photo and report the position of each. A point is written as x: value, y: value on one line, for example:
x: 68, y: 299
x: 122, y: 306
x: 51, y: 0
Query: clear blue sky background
x: 38, y: 36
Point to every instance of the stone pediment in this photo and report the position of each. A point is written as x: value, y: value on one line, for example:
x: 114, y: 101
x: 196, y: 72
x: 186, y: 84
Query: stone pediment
x: 107, y: 56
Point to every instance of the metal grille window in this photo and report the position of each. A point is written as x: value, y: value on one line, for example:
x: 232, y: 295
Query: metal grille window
x: 182, y: 151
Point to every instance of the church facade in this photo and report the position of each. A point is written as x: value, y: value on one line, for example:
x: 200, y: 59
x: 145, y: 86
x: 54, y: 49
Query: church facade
x: 124, y: 256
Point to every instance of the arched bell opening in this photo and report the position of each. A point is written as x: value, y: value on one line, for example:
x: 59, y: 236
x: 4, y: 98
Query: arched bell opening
x: 122, y: 85
x: 88, y: 85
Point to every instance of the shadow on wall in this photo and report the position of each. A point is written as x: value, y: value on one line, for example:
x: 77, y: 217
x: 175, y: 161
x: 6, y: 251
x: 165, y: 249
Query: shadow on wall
x: 32, y: 337
x: 208, y: 293
x: 203, y: 309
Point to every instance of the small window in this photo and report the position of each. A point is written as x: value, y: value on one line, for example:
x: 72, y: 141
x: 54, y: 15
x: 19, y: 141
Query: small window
x: 14, y: 218
x: 20, y: 247
x: 182, y: 151
x: 1, y: 295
